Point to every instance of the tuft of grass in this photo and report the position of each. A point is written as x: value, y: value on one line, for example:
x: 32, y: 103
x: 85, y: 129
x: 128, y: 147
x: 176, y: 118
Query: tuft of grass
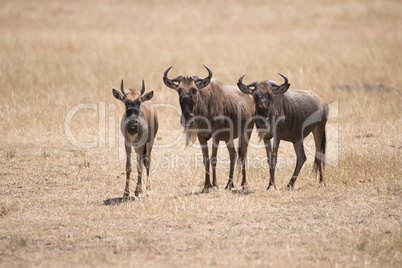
x: 361, y: 245
x: 85, y: 164
x: 45, y: 154
x: 4, y: 211
x: 20, y: 242
x: 10, y: 155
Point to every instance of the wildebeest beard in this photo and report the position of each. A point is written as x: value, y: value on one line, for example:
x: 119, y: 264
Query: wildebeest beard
x: 268, y: 121
x: 187, y: 106
x: 198, y: 124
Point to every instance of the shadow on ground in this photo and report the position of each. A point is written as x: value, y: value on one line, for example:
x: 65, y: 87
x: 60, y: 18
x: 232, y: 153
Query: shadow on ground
x: 239, y: 192
x: 118, y: 200
x: 242, y: 192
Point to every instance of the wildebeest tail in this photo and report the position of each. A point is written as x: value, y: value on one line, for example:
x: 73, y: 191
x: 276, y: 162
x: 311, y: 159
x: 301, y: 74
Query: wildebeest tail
x: 320, y: 157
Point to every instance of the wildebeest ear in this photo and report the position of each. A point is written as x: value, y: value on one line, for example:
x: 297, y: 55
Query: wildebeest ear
x: 170, y: 83
x: 118, y: 95
x: 147, y: 96
x: 276, y: 90
x: 243, y: 88
x: 246, y: 88
x: 202, y: 83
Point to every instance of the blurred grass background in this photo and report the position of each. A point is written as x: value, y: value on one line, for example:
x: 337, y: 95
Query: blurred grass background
x: 55, y: 55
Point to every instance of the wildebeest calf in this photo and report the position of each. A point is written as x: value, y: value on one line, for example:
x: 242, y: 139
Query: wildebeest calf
x: 139, y: 126
x: 288, y: 115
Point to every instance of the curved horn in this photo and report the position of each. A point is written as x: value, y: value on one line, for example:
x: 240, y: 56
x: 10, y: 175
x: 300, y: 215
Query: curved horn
x: 202, y: 82
x: 143, y: 88
x: 284, y: 77
x: 171, y: 82
x: 122, y: 87
x: 197, y: 78
x: 166, y: 72
x: 177, y: 79
x: 249, y: 85
x: 209, y: 71
x: 241, y: 79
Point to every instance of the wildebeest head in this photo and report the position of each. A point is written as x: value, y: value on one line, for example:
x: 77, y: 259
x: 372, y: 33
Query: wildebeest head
x: 132, y: 99
x: 188, y: 89
x: 263, y: 94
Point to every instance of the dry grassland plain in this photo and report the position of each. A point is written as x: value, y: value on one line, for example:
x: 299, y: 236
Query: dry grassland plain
x: 58, y: 57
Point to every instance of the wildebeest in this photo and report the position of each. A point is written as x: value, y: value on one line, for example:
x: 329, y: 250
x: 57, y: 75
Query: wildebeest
x: 288, y: 115
x: 139, y: 126
x: 211, y: 110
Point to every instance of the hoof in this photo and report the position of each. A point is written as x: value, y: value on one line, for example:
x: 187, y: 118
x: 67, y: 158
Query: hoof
x: 207, y: 189
x: 322, y: 184
x: 245, y: 188
x: 138, y: 191
x: 230, y: 185
x: 289, y: 187
x: 271, y: 187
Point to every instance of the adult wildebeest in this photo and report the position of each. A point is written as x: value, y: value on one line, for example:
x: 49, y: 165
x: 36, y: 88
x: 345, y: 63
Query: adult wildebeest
x: 138, y: 126
x: 211, y: 110
x: 288, y: 115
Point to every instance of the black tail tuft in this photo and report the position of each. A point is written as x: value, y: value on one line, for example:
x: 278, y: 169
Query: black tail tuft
x: 320, y: 157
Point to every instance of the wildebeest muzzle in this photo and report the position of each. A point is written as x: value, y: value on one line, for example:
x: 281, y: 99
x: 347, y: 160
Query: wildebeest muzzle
x: 132, y: 126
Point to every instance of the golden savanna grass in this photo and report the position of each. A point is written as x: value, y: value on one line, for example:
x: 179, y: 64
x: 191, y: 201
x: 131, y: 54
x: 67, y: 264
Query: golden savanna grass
x: 55, y: 55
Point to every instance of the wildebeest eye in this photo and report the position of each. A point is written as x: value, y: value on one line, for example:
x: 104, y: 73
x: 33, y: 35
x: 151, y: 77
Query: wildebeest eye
x: 194, y: 90
x: 179, y: 91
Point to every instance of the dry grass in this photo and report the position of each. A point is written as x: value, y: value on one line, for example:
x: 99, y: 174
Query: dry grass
x: 55, y: 55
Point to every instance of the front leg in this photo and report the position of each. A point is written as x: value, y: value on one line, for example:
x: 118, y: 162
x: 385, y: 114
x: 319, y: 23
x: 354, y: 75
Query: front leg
x: 147, y: 163
x: 204, y: 148
x: 272, y: 159
x: 301, y: 158
x: 214, y: 161
x: 128, y: 172
x: 140, y: 159
x: 232, y: 155
x: 243, y: 154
